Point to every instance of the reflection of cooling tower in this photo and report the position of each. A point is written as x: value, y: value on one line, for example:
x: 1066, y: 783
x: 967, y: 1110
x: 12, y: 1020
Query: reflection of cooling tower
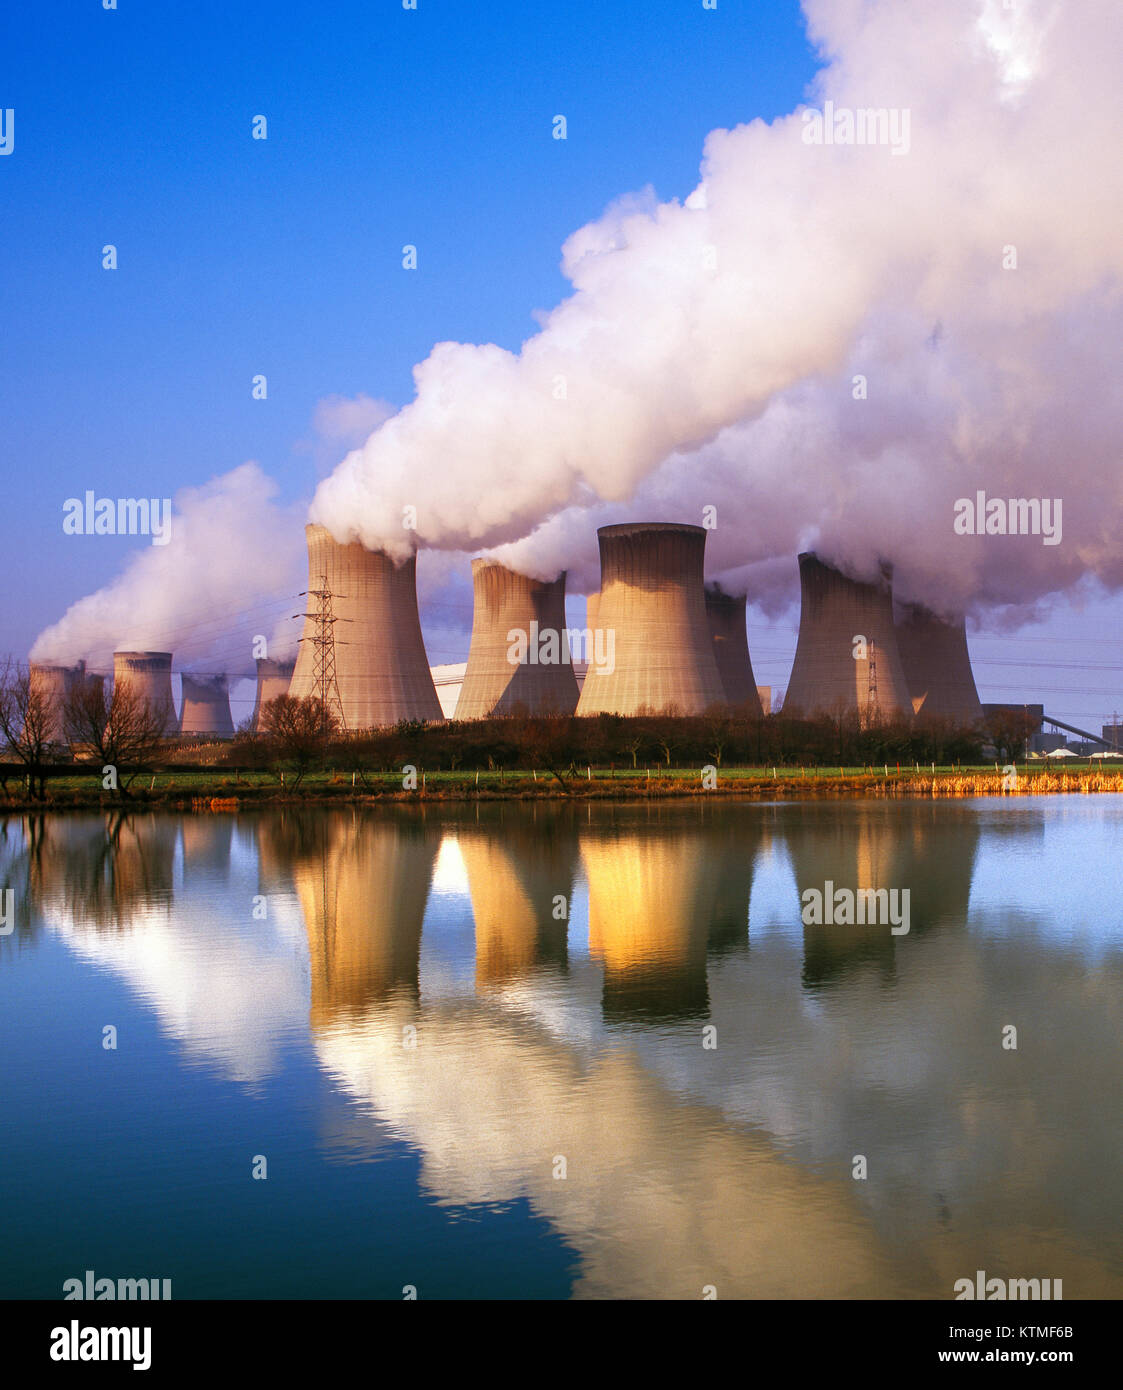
x: 726, y: 614
x: 206, y: 707
x: 651, y: 601
x: 273, y: 679
x: 56, y: 683
x: 827, y: 674
x: 507, y: 602
x: 380, y: 663
x: 150, y: 675
x: 937, y: 666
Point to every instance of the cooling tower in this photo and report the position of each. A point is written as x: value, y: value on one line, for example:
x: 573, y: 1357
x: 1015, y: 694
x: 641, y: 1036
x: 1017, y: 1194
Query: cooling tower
x: 726, y: 614
x: 542, y: 681
x: 56, y: 684
x: 205, y: 708
x: 150, y: 675
x: 273, y: 679
x: 653, y: 611
x: 381, y: 668
x: 833, y: 671
x: 937, y: 665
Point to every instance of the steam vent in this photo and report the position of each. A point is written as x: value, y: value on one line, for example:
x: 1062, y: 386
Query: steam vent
x: 150, y: 675
x: 830, y: 673
x: 380, y: 663
x: 507, y: 602
x: 56, y: 683
x: 653, y: 610
x: 937, y: 665
x: 206, y: 707
x: 273, y: 679
x: 726, y: 614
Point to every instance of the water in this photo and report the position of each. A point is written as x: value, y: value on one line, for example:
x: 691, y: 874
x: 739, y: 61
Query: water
x: 471, y: 1048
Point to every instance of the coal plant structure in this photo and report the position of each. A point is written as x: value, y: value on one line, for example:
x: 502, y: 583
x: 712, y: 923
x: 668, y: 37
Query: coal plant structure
x: 726, y: 615
x: 273, y: 679
x: 149, y: 674
x: 505, y: 673
x: 937, y: 665
x: 382, y: 673
x: 205, y: 709
x: 653, y: 610
x: 846, y: 658
x: 55, y: 683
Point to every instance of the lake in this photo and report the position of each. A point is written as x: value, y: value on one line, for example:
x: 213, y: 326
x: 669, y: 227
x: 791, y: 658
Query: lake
x: 550, y: 1051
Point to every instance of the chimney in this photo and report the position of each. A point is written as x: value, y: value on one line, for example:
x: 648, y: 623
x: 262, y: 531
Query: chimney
x: 833, y: 670
x: 380, y: 664
x: 506, y: 603
x: 653, y: 615
x: 273, y: 679
x: 937, y: 665
x: 205, y: 708
x: 726, y: 614
x: 150, y: 675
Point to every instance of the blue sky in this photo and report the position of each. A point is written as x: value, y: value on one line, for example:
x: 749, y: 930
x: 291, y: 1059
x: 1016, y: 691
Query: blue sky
x: 236, y: 256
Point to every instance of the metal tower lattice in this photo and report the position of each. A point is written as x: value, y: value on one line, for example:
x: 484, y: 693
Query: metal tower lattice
x: 323, y: 641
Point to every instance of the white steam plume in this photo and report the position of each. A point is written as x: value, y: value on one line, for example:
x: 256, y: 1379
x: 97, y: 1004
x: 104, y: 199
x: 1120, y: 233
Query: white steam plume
x: 708, y: 349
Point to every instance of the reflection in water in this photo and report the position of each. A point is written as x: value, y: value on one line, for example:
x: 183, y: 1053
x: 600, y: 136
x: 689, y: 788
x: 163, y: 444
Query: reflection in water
x: 685, y: 1165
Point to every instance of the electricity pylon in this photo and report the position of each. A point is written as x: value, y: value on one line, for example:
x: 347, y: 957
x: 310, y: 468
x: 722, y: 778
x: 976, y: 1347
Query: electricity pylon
x: 323, y: 642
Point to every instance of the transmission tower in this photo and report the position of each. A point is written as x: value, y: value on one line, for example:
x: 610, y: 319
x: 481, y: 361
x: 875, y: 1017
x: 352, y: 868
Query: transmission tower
x: 323, y: 641
x: 871, y: 686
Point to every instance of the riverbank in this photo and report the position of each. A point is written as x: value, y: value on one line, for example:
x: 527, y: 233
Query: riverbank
x: 205, y: 791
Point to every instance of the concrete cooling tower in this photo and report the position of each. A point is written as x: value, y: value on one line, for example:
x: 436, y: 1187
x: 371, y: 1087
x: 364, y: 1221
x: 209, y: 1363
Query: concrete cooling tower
x: 273, y: 679
x: 937, y: 665
x: 150, y: 675
x: 505, y: 603
x: 381, y: 668
x: 834, y: 672
x: 55, y: 683
x: 726, y: 614
x: 653, y: 612
x: 205, y: 709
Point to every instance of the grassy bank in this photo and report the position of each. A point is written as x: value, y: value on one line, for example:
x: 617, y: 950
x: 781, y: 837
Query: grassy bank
x: 213, y: 790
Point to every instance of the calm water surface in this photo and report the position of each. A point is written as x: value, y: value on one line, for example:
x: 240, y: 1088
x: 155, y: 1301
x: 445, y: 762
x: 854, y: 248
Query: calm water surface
x: 472, y: 1049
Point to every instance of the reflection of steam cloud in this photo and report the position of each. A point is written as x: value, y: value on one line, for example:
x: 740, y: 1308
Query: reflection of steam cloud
x: 516, y: 869
x: 363, y: 881
x: 663, y: 888
x: 918, y: 846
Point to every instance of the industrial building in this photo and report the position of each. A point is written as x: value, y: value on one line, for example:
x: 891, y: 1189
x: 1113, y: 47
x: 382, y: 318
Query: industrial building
x: 652, y: 603
x: 381, y: 671
x: 846, y: 658
x: 507, y: 603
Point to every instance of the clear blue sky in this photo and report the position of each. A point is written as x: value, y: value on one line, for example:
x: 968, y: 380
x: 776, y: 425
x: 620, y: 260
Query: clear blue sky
x: 238, y: 256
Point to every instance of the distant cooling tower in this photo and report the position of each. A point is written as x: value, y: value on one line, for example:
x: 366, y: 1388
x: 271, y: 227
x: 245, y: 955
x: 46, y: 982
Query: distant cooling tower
x: 273, y: 679
x: 380, y: 663
x: 653, y: 610
x: 937, y: 665
x: 834, y: 671
x: 150, y: 675
x: 205, y: 709
x: 56, y: 683
x: 726, y: 614
x: 506, y: 602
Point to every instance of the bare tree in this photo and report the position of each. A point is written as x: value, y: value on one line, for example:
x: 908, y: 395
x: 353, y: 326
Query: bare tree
x: 123, y: 730
x: 298, y: 732
x: 28, y: 723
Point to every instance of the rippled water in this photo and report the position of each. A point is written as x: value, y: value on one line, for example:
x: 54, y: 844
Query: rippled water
x: 552, y: 1051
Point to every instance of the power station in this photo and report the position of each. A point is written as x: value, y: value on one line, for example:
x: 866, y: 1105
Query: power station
x: 937, y: 666
x: 149, y: 674
x: 380, y: 667
x: 205, y: 710
x: 846, y: 658
x: 54, y: 684
x: 504, y: 673
x: 653, y: 608
x: 726, y: 615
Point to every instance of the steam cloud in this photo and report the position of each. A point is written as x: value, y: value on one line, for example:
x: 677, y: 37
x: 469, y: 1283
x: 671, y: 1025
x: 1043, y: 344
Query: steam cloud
x: 708, y: 351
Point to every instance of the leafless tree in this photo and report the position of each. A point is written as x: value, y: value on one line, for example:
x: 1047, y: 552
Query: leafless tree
x: 297, y: 732
x: 123, y: 730
x: 28, y: 723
